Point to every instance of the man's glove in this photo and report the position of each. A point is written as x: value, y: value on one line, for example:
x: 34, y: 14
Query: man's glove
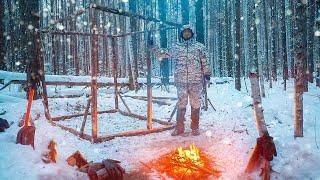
x: 113, y: 168
x: 207, y: 77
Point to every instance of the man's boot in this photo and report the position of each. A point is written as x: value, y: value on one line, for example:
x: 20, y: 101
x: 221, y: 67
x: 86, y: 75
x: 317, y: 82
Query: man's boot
x: 180, y: 122
x: 195, y: 115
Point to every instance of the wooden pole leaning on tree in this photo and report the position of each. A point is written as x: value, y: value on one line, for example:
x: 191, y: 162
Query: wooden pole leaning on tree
x: 94, y: 68
x: 265, y: 148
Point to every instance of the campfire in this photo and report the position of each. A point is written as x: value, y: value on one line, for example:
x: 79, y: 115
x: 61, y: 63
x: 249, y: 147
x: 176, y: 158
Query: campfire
x: 187, y: 163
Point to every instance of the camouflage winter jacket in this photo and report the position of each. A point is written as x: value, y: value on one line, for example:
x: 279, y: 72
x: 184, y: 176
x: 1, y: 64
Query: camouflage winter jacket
x: 191, y: 62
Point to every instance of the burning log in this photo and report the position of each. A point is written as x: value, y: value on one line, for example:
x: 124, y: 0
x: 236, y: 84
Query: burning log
x: 52, y: 154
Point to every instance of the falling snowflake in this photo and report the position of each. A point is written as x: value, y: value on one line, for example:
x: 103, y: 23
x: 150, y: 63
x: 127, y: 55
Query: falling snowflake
x: 18, y: 63
x: 257, y: 21
x: 60, y: 26
x: 208, y: 133
x: 288, y: 12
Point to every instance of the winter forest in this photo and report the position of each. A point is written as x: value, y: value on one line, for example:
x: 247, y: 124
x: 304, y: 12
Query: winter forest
x: 159, y: 89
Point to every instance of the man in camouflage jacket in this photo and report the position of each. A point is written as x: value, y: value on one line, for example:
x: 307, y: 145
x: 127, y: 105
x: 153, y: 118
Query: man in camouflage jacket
x: 191, y: 68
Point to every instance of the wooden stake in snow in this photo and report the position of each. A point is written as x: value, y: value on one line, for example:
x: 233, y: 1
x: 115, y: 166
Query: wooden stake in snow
x: 85, y: 117
x: 115, y: 71
x: 94, y: 69
x: 149, y: 86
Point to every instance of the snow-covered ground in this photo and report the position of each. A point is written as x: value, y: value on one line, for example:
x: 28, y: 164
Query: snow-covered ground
x: 228, y: 134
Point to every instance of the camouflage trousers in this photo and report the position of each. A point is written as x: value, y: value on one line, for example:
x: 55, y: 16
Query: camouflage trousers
x: 191, y: 91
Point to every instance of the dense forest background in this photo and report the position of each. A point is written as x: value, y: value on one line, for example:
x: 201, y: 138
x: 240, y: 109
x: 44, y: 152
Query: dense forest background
x: 241, y: 36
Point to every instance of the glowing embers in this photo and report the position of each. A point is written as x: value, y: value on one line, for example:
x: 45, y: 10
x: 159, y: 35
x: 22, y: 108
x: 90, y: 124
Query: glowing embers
x: 187, y: 163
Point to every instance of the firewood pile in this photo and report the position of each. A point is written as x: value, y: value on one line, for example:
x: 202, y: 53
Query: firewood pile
x: 106, y: 170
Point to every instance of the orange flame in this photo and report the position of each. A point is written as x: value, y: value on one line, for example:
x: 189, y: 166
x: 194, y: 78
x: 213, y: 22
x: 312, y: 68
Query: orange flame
x: 189, y: 155
x: 186, y: 163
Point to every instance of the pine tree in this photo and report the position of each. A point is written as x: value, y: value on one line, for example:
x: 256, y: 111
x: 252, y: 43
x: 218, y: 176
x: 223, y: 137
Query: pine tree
x: 300, y: 58
x: 2, y: 37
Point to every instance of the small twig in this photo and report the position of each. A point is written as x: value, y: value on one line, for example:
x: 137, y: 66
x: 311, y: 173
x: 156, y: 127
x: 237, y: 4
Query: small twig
x: 211, y: 104
x: 145, y: 165
x: 315, y: 132
x: 3, y: 113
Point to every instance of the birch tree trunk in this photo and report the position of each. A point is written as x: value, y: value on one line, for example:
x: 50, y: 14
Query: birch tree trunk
x: 257, y: 104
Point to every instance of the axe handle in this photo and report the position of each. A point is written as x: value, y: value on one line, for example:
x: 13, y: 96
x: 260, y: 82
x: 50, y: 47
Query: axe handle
x: 30, y: 98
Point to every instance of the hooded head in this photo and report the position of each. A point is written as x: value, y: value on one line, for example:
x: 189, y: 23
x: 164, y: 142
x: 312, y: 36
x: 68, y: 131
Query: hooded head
x: 186, y: 33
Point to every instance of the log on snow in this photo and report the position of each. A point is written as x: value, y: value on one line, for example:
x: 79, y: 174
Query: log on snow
x: 153, y: 100
x: 163, y: 122
x: 133, y: 133
x: 61, y: 118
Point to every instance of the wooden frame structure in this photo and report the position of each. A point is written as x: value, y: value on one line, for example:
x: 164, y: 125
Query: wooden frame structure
x: 94, y: 84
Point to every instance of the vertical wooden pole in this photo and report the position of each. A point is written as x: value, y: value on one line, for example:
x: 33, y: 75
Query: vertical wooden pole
x: 149, y: 86
x: 115, y: 71
x: 94, y: 68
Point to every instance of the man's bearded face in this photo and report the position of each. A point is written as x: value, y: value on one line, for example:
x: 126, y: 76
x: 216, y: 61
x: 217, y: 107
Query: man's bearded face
x: 186, y: 34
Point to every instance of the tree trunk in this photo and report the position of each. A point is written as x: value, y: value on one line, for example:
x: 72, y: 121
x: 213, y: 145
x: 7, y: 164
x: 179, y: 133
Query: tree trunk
x: 229, y: 52
x: 33, y: 63
x: 284, y: 44
x: 73, y: 41
x: 2, y: 37
x: 317, y: 27
x: 185, y: 11
x: 200, y: 21
x: 164, y: 65
x: 134, y: 27
x: 238, y: 56
x: 299, y: 58
x: 311, y: 35
x: 257, y: 104
x: 273, y: 42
